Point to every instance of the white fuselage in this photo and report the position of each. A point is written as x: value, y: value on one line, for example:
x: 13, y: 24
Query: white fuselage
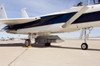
x: 57, y: 28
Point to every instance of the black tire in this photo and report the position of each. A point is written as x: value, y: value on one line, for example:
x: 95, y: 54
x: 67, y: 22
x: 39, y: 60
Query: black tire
x: 27, y: 42
x: 84, y: 46
x: 47, y: 44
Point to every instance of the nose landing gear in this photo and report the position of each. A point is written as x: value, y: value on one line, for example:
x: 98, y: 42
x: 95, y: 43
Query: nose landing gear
x: 84, y: 46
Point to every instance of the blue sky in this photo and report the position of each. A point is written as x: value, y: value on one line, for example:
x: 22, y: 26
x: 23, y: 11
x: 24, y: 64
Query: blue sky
x: 41, y: 7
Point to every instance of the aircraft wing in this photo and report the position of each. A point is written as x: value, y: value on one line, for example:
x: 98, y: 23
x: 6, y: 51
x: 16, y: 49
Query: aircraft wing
x: 17, y: 21
x: 77, y: 15
x: 25, y: 18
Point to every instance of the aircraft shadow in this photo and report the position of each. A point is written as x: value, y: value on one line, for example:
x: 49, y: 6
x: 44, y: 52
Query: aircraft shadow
x: 12, y: 45
x: 42, y: 46
x: 74, y: 48
x: 20, y: 45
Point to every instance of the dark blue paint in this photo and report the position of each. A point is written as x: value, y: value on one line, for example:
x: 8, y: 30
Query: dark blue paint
x: 59, y: 18
x: 46, y: 20
x: 6, y: 27
x: 89, y: 17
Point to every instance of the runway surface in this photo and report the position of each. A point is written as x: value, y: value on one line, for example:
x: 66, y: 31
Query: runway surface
x: 67, y: 53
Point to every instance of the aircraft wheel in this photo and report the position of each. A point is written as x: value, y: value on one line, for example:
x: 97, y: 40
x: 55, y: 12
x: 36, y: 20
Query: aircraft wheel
x: 84, y: 46
x: 27, y: 42
x: 47, y: 44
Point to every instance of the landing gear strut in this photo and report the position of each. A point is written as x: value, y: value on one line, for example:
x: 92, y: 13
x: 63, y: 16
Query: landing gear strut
x: 28, y: 41
x: 84, y: 45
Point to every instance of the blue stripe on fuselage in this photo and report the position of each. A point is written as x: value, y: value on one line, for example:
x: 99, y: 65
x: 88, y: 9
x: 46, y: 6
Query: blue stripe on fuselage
x: 46, y: 20
x: 59, y: 18
x: 88, y: 17
x: 5, y: 28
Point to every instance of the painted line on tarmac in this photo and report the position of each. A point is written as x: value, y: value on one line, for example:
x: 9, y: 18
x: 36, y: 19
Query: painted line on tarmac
x: 17, y: 57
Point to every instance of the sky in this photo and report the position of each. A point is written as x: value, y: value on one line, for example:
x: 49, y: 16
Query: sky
x: 41, y: 7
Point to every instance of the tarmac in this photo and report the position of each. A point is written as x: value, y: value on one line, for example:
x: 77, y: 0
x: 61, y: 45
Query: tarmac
x: 67, y: 53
